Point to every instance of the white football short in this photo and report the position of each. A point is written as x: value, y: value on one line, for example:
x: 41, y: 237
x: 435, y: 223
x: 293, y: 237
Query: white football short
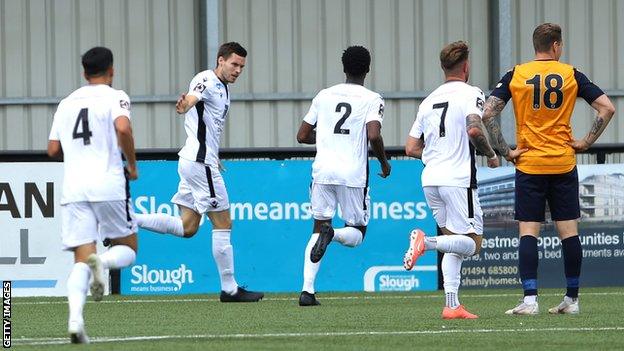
x: 201, y: 187
x: 87, y: 222
x: 354, y: 203
x: 458, y: 209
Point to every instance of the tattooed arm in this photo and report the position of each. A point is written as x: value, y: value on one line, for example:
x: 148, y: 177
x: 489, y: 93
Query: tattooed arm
x: 493, y: 107
x: 474, y: 127
x: 476, y: 132
x: 605, y: 110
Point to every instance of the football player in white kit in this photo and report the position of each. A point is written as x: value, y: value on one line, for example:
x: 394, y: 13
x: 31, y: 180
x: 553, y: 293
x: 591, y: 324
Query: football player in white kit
x: 341, y: 121
x: 90, y: 127
x: 447, y: 129
x: 201, y: 188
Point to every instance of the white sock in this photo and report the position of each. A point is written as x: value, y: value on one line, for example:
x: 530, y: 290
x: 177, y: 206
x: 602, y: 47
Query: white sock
x: 77, y: 285
x: 348, y: 236
x: 224, y: 257
x: 310, y: 269
x: 118, y: 256
x: 451, y: 269
x: 160, y: 223
x: 530, y: 299
x: 459, y: 244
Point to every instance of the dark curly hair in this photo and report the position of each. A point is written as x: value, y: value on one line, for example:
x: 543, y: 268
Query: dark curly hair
x: 96, y: 61
x: 356, y: 61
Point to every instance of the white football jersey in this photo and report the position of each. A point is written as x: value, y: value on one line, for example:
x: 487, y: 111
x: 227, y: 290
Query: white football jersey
x: 340, y: 114
x: 204, y: 122
x: 448, y: 155
x: 84, y: 124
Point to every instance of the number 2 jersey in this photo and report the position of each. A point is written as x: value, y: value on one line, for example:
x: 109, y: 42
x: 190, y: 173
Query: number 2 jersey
x: 84, y: 124
x: 340, y: 114
x: 448, y: 155
x: 544, y: 93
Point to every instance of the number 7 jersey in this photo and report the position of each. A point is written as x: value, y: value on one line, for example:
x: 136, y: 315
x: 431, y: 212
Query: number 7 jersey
x: 448, y: 154
x: 340, y: 114
x: 84, y: 124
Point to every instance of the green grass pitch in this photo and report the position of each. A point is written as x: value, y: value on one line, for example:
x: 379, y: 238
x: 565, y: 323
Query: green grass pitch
x: 345, y: 321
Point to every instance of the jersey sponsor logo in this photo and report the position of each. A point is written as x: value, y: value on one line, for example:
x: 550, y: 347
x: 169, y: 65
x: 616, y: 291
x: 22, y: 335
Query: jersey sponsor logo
x: 480, y: 104
x: 124, y: 104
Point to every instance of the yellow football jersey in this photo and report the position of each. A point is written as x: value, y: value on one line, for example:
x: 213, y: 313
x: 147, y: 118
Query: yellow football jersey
x: 544, y: 93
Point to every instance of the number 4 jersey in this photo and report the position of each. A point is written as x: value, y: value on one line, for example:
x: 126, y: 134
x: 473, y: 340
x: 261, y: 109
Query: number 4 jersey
x: 441, y: 122
x: 84, y: 124
x: 340, y: 114
x: 544, y: 94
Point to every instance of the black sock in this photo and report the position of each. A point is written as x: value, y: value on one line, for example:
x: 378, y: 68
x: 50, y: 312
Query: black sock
x: 527, y: 264
x: 572, y: 258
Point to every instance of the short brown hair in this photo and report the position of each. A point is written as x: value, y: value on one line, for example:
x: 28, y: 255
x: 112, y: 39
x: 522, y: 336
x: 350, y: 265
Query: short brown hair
x: 227, y: 49
x: 453, y: 54
x: 545, y: 35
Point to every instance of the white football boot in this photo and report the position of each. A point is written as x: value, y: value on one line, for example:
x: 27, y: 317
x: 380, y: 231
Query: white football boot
x: 77, y: 334
x: 567, y: 306
x: 97, y: 285
x: 524, y: 309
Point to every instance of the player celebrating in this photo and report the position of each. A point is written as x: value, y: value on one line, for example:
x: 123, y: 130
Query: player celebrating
x: 544, y: 92
x: 202, y: 189
x: 89, y: 128
x: 346, y: 116
x: 447, y: 130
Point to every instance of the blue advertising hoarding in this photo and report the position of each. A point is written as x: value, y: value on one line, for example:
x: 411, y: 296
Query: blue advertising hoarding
x: 272, y: 224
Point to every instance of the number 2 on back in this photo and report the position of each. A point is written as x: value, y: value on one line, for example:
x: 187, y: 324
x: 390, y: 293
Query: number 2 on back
x: 338, y: 127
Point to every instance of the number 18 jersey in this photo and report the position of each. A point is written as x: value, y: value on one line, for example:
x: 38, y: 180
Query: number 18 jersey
x: 84, y: 124
x: 340, y: 114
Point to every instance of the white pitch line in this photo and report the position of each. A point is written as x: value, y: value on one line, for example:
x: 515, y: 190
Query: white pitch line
x: 376, y: 297
x: 52, y: 341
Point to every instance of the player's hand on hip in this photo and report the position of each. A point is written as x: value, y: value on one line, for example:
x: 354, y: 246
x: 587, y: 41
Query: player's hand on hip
x: 385, y: 170
x: 181, y: 104
x: 579, y: 145
x: 132, y: 173
x: 513, y: 155
x: 493, y: 162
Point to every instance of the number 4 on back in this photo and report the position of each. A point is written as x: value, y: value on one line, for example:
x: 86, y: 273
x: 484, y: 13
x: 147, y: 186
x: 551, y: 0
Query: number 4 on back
x: 84, y: 120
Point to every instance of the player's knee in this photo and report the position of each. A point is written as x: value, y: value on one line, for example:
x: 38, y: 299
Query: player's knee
x: 190, y: 231
x: 477, y: 244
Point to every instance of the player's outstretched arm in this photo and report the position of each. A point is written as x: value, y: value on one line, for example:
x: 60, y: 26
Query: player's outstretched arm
x: 477, y: 136
x: 185, y: 103
x: 126, y: 143
x: 306, y: 134
x: 606, y: 110
x: 373, y: 130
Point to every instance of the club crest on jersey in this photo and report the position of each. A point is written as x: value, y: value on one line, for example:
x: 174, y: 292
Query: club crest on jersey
x: 480, y: 104
x: 220, y: 86
x: 124, y: 104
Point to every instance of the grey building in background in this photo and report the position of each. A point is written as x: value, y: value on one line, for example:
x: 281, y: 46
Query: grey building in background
x: 602, y: 198
x: 294, y: 51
